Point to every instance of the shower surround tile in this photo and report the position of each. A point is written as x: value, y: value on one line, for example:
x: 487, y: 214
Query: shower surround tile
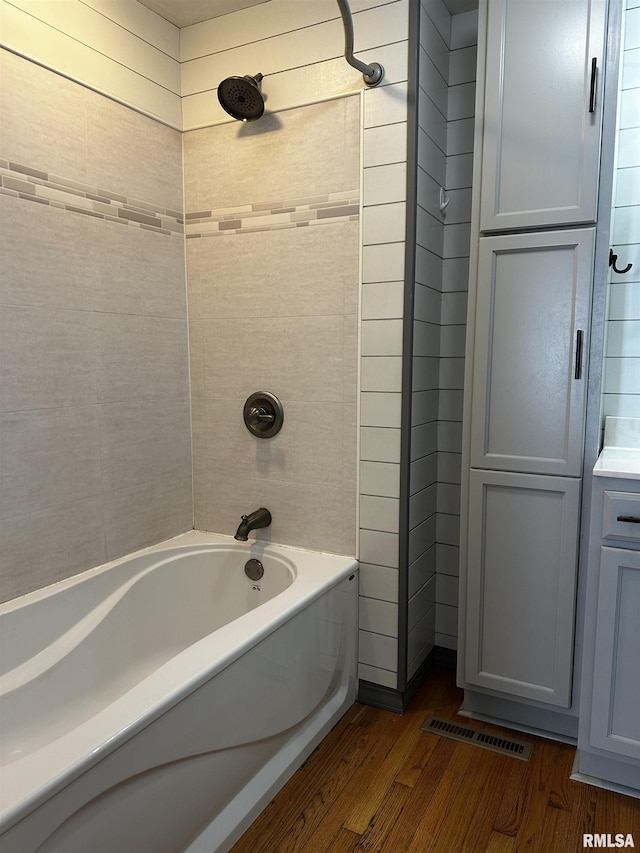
x: 58, y: 127
x: 146, y: 513
x: 232, y: 451
x: 272, y: 226
x: 304, y: 272
x: 47, y: 456
x: 305, y: 153
x: 301, y: 355
x: 296, y: 213
x: 43, y: 547
x: 95, y: 457
x: 140, y: 358
x: 91, y: 264
x: 48, y: 189
x: 131, y: 453
x: 47, y: 358
x: 42, y: 118
x: 305, y: 515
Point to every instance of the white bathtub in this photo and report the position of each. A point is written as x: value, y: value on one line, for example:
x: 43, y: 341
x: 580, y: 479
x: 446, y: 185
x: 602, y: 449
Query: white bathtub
x: 158, y: 702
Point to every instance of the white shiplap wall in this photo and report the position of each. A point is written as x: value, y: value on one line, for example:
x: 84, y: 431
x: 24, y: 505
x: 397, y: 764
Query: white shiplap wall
x: 462, y: 73
x: 435, y: 29
x: 622, y: 362
x: 116, y: 47
x: 298, y: 47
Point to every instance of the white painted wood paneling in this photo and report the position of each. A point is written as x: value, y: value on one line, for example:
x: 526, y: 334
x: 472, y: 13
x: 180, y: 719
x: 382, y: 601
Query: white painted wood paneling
x: 77, y: 41
x: 86, y: 25
x: 622, y: 361
x: 298, y: 48
x: 142, y: 22
x: 380, y: 478
x: 379, y: 582
x: 379, y: 446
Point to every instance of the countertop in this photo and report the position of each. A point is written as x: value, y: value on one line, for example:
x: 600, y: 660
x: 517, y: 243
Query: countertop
x: 620, y: 456
x: 623, y: 462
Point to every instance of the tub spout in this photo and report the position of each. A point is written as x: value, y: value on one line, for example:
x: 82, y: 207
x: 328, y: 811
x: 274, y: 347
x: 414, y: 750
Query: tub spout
x: 260, y: 518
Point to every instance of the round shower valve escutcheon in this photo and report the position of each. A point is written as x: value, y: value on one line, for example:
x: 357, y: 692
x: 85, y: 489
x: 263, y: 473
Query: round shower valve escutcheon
x: 263, y: 414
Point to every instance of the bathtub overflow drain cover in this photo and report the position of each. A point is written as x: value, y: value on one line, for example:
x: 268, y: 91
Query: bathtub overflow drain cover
x: 254, y: 569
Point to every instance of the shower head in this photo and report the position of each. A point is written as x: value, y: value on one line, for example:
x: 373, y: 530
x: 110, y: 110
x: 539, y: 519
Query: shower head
x: 242, y: 97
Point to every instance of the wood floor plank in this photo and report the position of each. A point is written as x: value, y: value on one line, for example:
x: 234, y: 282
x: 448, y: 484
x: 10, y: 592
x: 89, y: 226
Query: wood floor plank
x: 480, y: 827
x: 371, y: 798
x: 413, y: 766
x: 374, y: 837
x: 422, y: 795
x: 499, y: 843
x: 617, y: 814
x: 584, y: 799
x: 529, y: 836
x: 443, y: 700
x: 475, y: 793
x: 561, y: 783
x: 344, y: 842
x: 312, y: 789
x: 410, y: 791
x: 513, y: 802
x: 322, y: 816
x: 429, y: 829
x: 628, y: 815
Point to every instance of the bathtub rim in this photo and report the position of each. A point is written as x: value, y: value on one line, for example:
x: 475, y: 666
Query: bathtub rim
x: 29, y: 781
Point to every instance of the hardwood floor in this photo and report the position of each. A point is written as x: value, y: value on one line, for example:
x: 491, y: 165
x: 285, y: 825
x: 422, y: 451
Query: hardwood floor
x: 377, y: 783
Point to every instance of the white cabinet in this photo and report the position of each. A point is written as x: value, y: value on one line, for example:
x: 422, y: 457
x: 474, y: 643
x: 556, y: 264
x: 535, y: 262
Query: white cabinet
x: 531, y: 327
x: 542, y: 113
x: 609, y: 733
x: 615, y: 711
x: 536, y: 170
x: 522, y: 550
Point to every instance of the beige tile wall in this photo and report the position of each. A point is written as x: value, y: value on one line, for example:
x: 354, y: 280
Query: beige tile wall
x: 95, y: 456
x: 273, y: 302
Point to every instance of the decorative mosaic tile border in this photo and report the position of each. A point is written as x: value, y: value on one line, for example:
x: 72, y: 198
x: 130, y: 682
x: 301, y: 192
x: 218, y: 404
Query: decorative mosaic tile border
x: 268, y: 216
x: 34, y: 185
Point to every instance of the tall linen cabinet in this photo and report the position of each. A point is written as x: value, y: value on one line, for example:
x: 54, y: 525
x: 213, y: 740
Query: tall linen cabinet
x: 536, y: 169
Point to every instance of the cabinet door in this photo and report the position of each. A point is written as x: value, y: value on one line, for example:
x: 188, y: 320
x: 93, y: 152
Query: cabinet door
x: 615, y: 715
x: 541, y: 133
x: 531, y: 327
x: 521, y: 580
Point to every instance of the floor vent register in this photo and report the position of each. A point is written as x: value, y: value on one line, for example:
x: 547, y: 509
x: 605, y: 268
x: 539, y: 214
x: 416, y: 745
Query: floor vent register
x: 467, y: 734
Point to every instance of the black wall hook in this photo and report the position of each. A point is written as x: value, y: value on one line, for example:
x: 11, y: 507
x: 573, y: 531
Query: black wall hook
x: 612, y: 263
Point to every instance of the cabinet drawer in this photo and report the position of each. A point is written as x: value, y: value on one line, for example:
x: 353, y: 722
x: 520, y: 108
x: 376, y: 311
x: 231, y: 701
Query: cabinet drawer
x: 621, y: 516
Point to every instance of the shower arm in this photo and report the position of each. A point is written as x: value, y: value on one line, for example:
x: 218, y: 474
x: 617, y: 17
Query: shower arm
x: 373, y: 73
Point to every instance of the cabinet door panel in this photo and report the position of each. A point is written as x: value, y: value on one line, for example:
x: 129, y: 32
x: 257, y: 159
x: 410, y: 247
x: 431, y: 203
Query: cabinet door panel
x: 541, y: 143
x: 521, y: 577
x: 533, y: 298
x: 615, y: 716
